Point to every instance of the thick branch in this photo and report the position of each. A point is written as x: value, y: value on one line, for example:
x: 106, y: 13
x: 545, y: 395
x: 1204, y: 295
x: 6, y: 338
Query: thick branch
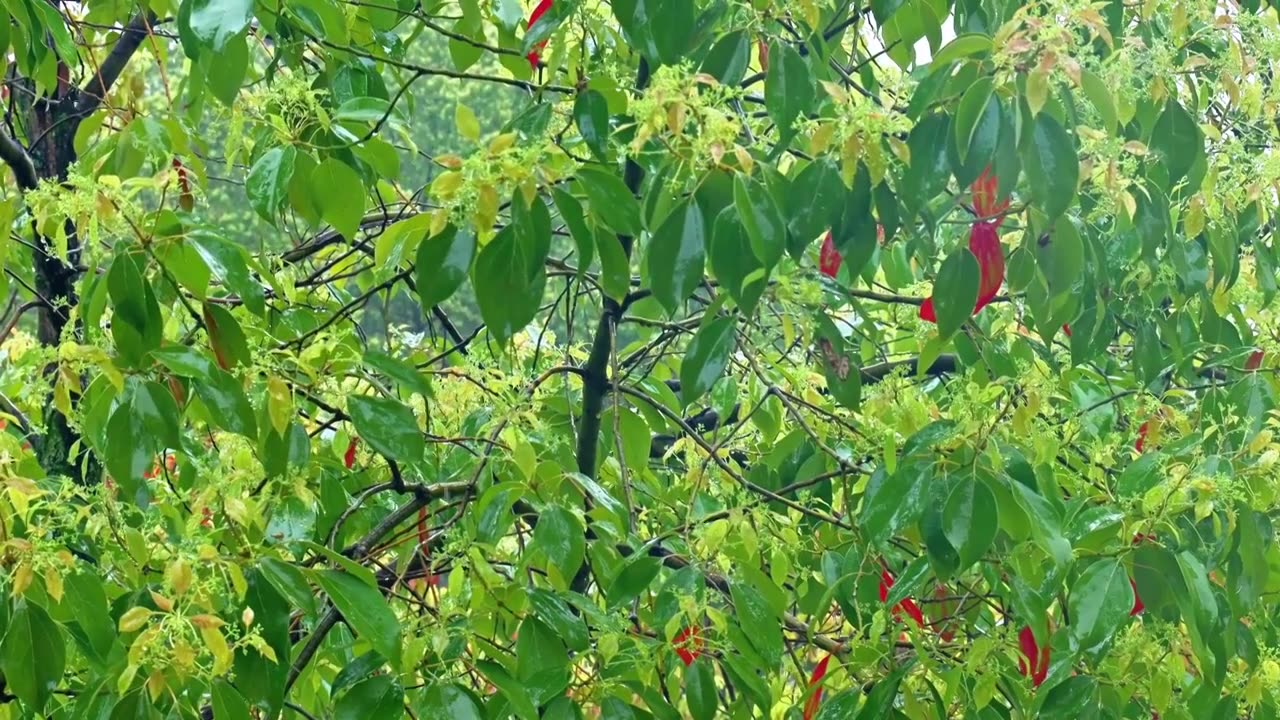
x: 95, y: 91
x: 16, y: 157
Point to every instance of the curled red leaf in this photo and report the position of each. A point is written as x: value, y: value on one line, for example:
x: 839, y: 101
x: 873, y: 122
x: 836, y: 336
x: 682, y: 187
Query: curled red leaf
x: 1142, y: 436
x: 829, y: 259
x: 819, y: 672
x: 1034, y: 662
x: 1137, y: 601
x: 908, y: 605
x: 349, y: 458
x: 538, y: 12
x: 1255, y: 361
x: 688, y: 644
x: 985, y: 193
x: 1067, y: 329
x: 762, y: 51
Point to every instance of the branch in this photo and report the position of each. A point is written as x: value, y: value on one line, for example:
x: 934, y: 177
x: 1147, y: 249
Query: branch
x: 95, y: 91
x: 16, y: 157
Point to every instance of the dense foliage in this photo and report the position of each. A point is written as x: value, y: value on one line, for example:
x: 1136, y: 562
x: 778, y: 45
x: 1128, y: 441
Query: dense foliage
x: 640, y: 359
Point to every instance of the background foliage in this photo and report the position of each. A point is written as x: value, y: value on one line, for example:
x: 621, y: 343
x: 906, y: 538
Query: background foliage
x: 640, y: 358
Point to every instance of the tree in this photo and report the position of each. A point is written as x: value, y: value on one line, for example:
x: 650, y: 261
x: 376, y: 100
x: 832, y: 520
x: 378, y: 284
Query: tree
x: 643, y: 358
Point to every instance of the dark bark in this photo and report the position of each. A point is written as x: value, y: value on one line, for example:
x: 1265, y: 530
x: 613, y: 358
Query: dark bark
x: 50, y: 123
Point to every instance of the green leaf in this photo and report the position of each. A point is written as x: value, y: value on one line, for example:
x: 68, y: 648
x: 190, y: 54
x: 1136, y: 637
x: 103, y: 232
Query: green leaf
x: 615, y: 269
x: 509, y: 281
x: 734, y: 262
x: 761, y: 622
x: 511, y: 689
x: 85, y: 598
x: 788, y: 85
x: 553, y: 611
x: 559, y: 534
x: 227, y: 404
x: 972, y: 104
x: 571, y: 212
x: 268, y: 182
x: 215, y: 22
x: 971, y: 520
x: 1099, y: 603
x: 634, y: 577
x: 611, y: 202
x: 402, y: 372
x: 136, y: 327
x: 841, y: 706
x: 1052, y: 168
x: 955, y: 293
x: 448, y: 701
x: 816, y: 199
x: 729, y: 58
x: 185, y: 362
x: 591, y: 115
x: 227, y: 70
x: 379, y: 696
x: 961, y: 46
x: 289, y: 582
x: 33, y: 655
x: 130, y: 451
x: 700, y: 689
x: 929, y: 165
x: 226, y: 261
x: 339, y: 193
x: 1100, y: 95
x: 228, y: 703
x: 1177, y: 141
x: 706, y: 359
x: 761, y: 218
x: 894, y: 502
x: 1061, y: 257
x: 365, y: 610
x: 389, y: 426
x: 442, y: 265
x: 677, y: 255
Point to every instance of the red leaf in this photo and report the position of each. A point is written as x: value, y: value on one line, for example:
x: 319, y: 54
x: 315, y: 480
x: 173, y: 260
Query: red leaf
x: 1255, y: 361
x: 819, y: 672
x: 908, y: 605
x: 829, y: 259
x: 985, y: 190
x: 1141, y: 538
x: 985, y: 245
x: 1035, y: 660
x: 762, y: 50
x: 926, y: 311
x: 1137, y: 601
x: 538, y: 12
x: 1067, y: 329
x: 688, y: 644
x: 349, y: 459
x: 1142, y: 436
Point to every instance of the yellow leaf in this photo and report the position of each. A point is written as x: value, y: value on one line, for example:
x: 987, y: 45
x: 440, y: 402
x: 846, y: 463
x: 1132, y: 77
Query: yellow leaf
x: 821, y: 138
x: 207, y: 621
x: 53, y: 583
x: 1193, y: 224
x: 22, y: 579
x: 446, y: 185
x: 178, y: 575
x: 155, y: 684
x: 1037, y: 89
x: 468, y: 125
x: 279, y: 404
x: 134, y: 619
x: 217, y: 646
x: 502, y: 143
